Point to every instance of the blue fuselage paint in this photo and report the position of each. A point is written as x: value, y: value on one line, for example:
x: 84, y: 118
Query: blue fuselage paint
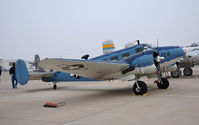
x: 62, y: 77
x: 135, y: 56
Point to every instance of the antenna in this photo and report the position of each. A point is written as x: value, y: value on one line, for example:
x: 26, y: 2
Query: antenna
x: 158, y: 46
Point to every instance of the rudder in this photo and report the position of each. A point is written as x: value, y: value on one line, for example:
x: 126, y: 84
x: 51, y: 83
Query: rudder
x: 108, y: 47
x: 21, y: 71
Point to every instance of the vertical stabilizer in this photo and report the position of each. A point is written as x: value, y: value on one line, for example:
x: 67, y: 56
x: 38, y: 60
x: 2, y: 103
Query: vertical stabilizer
x: 21, y: 71
x: 108, y: 46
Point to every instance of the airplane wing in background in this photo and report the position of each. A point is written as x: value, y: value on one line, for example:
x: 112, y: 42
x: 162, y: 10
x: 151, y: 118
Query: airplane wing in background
x: 86, y: 68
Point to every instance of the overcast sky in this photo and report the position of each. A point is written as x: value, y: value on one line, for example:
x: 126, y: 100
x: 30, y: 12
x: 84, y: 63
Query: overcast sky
x: 72, y: 28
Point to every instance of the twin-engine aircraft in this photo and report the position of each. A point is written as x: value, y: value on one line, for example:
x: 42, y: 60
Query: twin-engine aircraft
x: 126, y: 64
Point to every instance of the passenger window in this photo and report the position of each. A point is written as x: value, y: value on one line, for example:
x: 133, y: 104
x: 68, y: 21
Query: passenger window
x: 125, y: 55
x: 115, y: 58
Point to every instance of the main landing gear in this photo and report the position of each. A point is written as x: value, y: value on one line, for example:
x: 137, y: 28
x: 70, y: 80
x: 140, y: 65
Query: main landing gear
x: 140, y: 87
x: 188, y: 71
x: 163, y: 83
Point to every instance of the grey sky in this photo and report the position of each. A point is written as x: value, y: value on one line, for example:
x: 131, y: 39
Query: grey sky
x: 72, y: 28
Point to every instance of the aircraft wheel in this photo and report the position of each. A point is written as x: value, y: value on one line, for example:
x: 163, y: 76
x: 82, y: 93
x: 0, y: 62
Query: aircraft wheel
x: 164, y: 84
x: 188, y: 71
x: 176, y: 74
x: 54, y: 86
x: 142, y: 89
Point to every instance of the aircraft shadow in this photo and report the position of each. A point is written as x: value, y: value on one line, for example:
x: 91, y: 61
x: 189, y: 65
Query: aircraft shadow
x: 190, y: 77
x: 123, y: 91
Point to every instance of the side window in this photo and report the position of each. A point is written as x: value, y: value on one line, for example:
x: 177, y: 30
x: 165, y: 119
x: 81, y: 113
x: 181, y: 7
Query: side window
x: 139, y: 50
x: 115, y: 58
x: 125, y: 55
x: 104, y: 59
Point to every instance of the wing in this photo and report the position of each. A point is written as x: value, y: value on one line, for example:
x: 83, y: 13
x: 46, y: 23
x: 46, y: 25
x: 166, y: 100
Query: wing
x: 86, y: 68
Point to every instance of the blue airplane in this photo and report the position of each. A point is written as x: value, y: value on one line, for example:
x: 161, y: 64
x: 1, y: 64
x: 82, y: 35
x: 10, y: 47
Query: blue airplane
x: 125, y: 64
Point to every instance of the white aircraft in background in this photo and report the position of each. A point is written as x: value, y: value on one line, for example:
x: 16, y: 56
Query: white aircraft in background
x: 190, y: 59
x: 31, y: 65
x: 7, y: 64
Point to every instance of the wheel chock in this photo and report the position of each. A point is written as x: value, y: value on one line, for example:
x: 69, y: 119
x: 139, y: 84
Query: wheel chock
x: 145, y: 94
x: 137, y: 95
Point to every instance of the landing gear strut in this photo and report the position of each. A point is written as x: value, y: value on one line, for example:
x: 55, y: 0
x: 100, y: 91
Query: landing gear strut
x: 139, y: 87
x: 163, y: 84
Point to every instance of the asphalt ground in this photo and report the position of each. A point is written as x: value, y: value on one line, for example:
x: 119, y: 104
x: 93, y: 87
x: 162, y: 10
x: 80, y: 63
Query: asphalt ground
x: 100, y: 103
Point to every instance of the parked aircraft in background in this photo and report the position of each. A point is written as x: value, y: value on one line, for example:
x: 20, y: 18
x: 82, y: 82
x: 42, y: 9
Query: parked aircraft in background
x: 35, y: 64
x: 7, y: 64
x: 31, y: 65
x: 190, y: 59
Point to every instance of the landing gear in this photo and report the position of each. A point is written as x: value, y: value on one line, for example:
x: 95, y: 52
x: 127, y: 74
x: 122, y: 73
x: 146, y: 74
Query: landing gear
x: 163, y: 84
x: 176, y: 74
x: 55, y: 86
x: 187, y: 71
x: 139, y: 88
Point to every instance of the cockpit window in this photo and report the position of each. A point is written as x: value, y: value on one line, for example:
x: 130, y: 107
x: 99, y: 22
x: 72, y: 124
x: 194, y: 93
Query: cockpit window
x: 148, y: 47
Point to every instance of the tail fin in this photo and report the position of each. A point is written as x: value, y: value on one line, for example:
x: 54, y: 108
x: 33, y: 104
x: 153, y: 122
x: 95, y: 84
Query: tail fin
x: 21, y: 72
x: 35, y: 63
x: 37, y: 58
x: 108, y: 46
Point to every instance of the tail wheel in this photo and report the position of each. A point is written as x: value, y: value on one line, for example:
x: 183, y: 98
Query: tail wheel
x: 188, y: 71
x: 142, y: 89
x: 163, y: 84
x: 54, y: 86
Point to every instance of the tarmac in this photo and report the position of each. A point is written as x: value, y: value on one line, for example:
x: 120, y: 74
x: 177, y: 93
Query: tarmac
x: 100, y: 103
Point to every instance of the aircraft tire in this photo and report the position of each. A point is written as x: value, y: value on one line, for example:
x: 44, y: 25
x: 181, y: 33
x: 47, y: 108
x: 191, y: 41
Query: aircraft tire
x: 142, y: 90
x: 164, y: 84
x: 188, y: 71
x: 176, y: 74
x: 54, y: 86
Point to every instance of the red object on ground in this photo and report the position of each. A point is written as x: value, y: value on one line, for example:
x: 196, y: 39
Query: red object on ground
x: 50, y: 104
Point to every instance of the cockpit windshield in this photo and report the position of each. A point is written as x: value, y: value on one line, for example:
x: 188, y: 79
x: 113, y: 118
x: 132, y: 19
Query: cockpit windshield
x: 148, y: 47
